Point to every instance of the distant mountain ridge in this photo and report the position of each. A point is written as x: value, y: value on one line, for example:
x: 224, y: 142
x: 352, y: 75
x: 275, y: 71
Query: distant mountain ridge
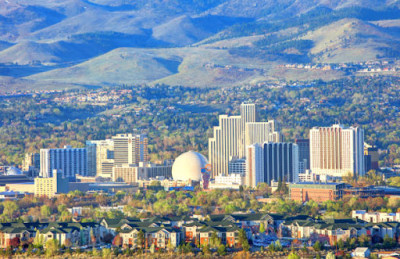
x: 53, y: 39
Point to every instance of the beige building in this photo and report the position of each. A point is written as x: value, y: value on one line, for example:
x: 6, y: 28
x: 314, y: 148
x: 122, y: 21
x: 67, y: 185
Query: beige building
x: 100, y: 157
x: 130, y: 149
x: 143, y: 171
x: 337, y: 151
x: 234, y: 133
x: 50, y: 186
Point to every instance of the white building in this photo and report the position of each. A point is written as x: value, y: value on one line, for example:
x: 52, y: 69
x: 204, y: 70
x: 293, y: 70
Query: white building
x: 100, y: 152
x: 233, y: 134
x: 71, y: 161
x: 337, y: 151
x: 375, y: 217
x: 254, y: 165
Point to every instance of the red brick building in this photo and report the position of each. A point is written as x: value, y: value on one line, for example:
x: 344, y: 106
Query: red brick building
x: 319, y: 192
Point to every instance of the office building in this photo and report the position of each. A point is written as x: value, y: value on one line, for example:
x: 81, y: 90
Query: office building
x: 281, y: 162
x: 143, y: 171
x: 71, y: 161
x: 233, y: 134
x: 100, y: 152
x: 130, y: 149
x: 50, y: 186
x: 337, y: 151
x: 304, y: 154
x: 319, y: 192
x: 272, y: 162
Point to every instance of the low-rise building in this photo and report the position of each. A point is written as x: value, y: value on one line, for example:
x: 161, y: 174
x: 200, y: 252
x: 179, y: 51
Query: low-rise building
x: 319, y: 192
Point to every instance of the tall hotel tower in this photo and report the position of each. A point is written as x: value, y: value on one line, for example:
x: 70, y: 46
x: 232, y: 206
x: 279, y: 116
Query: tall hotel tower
x: 71, y: 161
x: 130, y: 149
x: 234, y: 133
x: 337, y: 151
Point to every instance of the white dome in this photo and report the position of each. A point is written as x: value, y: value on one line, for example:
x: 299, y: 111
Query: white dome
x: 188, y: 166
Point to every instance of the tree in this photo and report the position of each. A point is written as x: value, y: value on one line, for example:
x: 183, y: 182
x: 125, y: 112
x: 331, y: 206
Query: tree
x: 317, y: 246
x: 330, y: 255
x: 206, y: 249
x: 170, y: 247
x: 52, y: 247
x: 221, y: 250
x: 67, y: 243
x: 293, y: 255
x: 140, y: 239
x: 244, y: 242
x: 117, y: 241
x: 262, y: 228
x: 45, y: 211
x: 214, y: 240
x: 10, y: 207
x: 14, y: 242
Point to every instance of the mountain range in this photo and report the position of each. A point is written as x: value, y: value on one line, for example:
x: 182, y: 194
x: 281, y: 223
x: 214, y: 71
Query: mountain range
x: 57, y: 44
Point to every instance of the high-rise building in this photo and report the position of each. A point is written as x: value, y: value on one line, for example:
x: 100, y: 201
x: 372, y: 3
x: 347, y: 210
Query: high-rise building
x: 271, y: 162
x: 337, y: 151
x: 233, y: 134
x: 260, y: 132
x: 100, y: 152
x: 254, y: 165
x: 304, y: 154
x: 130, y: 149
x: 281, y: 162
x: 71, y: 161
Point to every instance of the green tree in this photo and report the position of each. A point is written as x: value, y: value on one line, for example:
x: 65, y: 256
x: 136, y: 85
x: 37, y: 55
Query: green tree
x: 293, y: 255
x: 214, y: 240
x: 262, y: 227
x: 140, y: 239
x: 244, y: 242
x: 221, y: 250
x: 317, y: 246
x: 45, y: 211
x: 52, y: 247
x: 330, y: 255
x: 10, y: 207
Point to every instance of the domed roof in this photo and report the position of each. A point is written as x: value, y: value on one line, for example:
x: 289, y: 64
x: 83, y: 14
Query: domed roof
x: 188, y: 166
x: 13, y: 171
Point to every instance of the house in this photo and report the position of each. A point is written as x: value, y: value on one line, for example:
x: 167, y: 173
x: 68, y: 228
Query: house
x: 361, y: 252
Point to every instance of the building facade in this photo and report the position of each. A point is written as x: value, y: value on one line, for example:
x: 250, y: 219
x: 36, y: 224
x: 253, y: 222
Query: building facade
x: 337, y: 151
x: 304, y: 153
x: 50, y: 186
x: 130, y: 149
x: 143, y: 171
x: 272, y: 162
x: 71, y: 161
x: 319, y: 192
x: 254, y: 165
x: 100, y: 152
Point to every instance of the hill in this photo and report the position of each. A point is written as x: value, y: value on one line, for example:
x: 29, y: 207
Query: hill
x: 197, y: 43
